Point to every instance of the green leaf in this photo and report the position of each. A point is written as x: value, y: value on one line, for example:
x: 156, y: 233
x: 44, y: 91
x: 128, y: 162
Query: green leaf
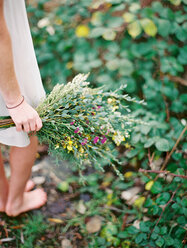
x: 149, y: 143
x: 149, y: 27
x: 132, y: 230
x: 164, y: 27
x: 163, y: 198
x: 163, y: 230
x: 145, y: 129
x: 109, y: 34
x: 144, y: 227
x: 168, y: 240
x: 160, y: 242
x: 126, y: 67
x: 162, y: 145
x: 132, y: 153
x: 134, y: 29
x: 140, y: 237
x: 96, y: 32
x: 176, y: 2
x: 115, y: 22
x: 123, y: 234
x: 156, y: 188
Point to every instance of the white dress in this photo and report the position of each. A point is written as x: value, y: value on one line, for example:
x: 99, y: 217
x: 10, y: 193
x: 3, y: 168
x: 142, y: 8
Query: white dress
x: 26, y: 67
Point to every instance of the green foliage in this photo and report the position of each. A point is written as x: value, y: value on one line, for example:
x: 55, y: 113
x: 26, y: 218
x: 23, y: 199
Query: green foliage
x: 25, y: 230
x: 120, y: 42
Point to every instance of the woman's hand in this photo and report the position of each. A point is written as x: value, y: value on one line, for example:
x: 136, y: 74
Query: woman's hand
x: 25, y: 118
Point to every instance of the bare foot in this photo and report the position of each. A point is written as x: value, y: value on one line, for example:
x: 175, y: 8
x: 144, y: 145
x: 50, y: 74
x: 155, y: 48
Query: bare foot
x: 3, y: 195
x: 29, y: 185
x: 31, y: 200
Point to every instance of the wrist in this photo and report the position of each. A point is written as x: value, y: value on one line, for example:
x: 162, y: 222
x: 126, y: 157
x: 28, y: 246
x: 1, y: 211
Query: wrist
x: 13, y: 101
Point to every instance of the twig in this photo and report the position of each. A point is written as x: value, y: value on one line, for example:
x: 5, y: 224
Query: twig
x: 178, y: 80
x: 124, y: 221
x: 150, y: 157
x: 173, y: 149
x: 167, y: 108
x: 164, y: 172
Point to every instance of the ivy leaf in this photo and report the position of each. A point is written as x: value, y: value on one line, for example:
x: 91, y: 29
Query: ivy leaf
x: 149, y: 27
x: 162, y: 145
x: 134, y: 29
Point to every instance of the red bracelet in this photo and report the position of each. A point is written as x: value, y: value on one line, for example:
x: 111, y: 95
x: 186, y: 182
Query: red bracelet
x: 16, y: 105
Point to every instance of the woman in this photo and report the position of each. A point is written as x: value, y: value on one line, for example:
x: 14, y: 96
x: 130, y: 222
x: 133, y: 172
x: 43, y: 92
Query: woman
x: 21, y: 90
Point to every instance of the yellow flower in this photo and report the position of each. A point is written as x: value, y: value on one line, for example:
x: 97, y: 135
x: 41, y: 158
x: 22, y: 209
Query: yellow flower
x: 81, y: 150
x: 88, y: 136
x: 57, y: 146
x: 70, y: 142
x: 64, y: 145
x: 127, y: 145
x: 82, y: 31
x: 114, y: 108
x: 70, y: 148
x: 76, y: 146
x: 118, y: 138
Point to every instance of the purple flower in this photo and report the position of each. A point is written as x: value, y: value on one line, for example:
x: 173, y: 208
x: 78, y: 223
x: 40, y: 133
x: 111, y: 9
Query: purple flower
x: 76, y: 130
x: 103, y: 140
x: 98, y: 107
x: 84, y: 141
x: 87, y: 122
x: 71, y: 123
x: 96, y: 139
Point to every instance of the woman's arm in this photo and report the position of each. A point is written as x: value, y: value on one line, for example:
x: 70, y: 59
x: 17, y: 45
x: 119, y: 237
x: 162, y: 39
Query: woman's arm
x: 24, y: 114
x: 8, y: 84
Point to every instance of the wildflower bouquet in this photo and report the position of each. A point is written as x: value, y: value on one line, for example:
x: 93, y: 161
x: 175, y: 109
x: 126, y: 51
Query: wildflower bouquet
x: 81, y: 123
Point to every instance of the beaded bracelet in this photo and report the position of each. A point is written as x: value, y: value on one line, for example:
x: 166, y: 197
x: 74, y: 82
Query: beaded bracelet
x: 16, y: 105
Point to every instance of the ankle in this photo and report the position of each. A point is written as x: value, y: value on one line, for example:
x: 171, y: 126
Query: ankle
x: 14, y: 203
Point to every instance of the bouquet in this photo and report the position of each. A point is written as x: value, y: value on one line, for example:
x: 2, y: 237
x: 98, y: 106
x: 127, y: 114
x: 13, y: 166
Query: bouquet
x: 81, y: 123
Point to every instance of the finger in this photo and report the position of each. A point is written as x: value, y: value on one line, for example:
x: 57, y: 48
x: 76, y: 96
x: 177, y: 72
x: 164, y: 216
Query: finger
x: 26, y: 127
x: 19, y: 127
x: 32, y: 125
x: 38, y: 124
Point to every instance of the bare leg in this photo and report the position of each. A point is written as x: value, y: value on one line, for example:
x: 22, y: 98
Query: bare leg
x: 21, y: 162
x: 3, y: 186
